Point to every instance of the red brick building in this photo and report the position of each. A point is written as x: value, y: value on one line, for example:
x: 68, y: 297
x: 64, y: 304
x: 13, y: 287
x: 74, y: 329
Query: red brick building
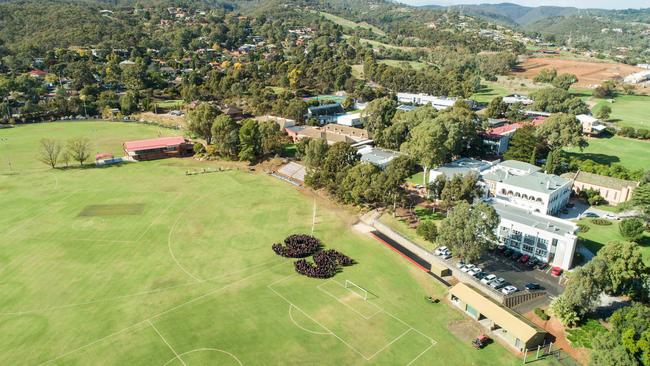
x: 163, y: 147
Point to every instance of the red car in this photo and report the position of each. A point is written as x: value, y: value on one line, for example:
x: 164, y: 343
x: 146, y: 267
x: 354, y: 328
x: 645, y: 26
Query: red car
x: 556, y: 271
x: 524, y: 258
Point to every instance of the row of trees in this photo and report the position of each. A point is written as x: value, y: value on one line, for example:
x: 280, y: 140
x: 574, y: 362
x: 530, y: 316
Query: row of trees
x: 337, y: 168
x: 248, y: 140
x: 52, y: 151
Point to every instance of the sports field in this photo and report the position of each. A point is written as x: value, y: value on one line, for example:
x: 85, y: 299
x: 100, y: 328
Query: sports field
x: 631, y: 153
x: 628, y: 110
x: 142, y: 264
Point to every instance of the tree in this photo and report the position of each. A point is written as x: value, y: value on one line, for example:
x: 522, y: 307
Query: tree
x: 428, y: 230
x: 389, y: 185
x: 427, y: 146
x: 79, y: 149
x: 357, y: 185
x: 564, y: 81
x: 522, y: 144
x: 553, y: 161
x: 605, y: 90
x: 469, y: 230
x: 295, y: 109
x: 565, y: 311
x: 50, y: 151
x: 315, y: 153
x: 581, y: 293
x: 628, y: 340
x: 200, y: 120
x: 545, y: 76
x: 129, y: 102
x: 641, y: 200
x: 626, y: 271
x: 604, y: 112
x: 378, y: 115
x: 339, y: 158
x: 632, y: 229
x: 272, y: 138
x: 496, y: 108
x: 562, y: 130
x: 249, y: 140
x: 225, y: 136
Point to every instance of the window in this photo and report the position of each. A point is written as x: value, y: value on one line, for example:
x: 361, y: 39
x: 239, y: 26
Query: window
x: 527, y: 248
x: 529, y: 239
x: 516, y: 235
x: 541, y: 253
x: 542, y: 243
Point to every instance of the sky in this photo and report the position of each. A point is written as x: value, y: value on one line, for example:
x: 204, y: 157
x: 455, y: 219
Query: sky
x: 601, y: 4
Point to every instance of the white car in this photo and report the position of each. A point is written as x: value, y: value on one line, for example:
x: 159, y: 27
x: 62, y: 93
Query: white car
x: 460, y: 264
x: 498, y: 283
x: 474, y: 271
x: 489, y: 278
x: 468, y: 267
x: 611, y: 217
x: 446, y: 255
x: 440, y: 250
x: 509, y: 290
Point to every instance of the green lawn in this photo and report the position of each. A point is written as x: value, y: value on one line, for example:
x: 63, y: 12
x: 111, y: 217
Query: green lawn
x: 348, y: 24
x: 142, y: 264
x: 598, y: 235
x: 489, y: 90
x: 633, y: 154
x: 415, y: 65
x: 169, y: 104
x: 628, y: 110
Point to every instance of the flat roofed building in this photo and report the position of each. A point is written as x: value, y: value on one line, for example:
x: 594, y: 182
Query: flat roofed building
x: 590, y: 124
x: 516, y: 98
x: 282, y: 122
x: 333, y: 133
x: 547, y: 238
x: 460, y: 166
x: 436, y: 102
x: 537, y: 191
x: 325, y: 113
x: 377, y: 157
x: 349, y: 119
x: 513, y: 328
x: 613, y: 190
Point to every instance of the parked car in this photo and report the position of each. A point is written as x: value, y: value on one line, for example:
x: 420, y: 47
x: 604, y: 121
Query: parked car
x: 509, y: 290
x: 590, y: 215
x: 446, y: 255
x: 556, y: 271
x: 612, y: 217
x: 498, y: 283
x: 481, y: 341
x: 460, y: 264
x: 489, y: 278
x: 524, y: 258
x: 532, y: 286
x: 468, y: 267
x: 480, y: 275
x: 474, y: 271
x: 440, y: 250
x: 508, y: 252
x: 515, y: 256
x: 542, y: 266
x: 501, y: 249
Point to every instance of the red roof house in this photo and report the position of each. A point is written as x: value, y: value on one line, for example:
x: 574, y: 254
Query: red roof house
x: 158, y: 148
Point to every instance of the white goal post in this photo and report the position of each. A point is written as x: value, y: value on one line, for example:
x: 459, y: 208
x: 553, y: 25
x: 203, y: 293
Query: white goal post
x: 363, y: 293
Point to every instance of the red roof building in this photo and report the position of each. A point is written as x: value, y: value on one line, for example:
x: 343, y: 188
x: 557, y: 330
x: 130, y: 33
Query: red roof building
x: 163, y: 147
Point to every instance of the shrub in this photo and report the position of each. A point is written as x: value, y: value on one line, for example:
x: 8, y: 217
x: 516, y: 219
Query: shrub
x: 297, y: 246
x: 428, y: 230
x: 583, y: 228
x: 601, y: 222
x: 198, y: 148
x: 596, y: 200
x: 541, y: 314
x: 632, y: 229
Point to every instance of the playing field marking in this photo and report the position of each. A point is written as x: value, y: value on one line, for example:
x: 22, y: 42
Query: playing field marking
x: 144, y: 321
x: 367, y: 358
x: 300, y: 326
x: 167, y: 343
x: 207, y: 349
x: 366, y: 317
x: 169, y: 241
x: 163, y: 289
x: 158, y: 217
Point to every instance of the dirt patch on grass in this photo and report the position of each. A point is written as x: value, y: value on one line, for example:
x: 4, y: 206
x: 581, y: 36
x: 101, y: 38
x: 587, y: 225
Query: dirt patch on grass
x: 123, y: 209
x: 590, y: 74
x: 466, y: 329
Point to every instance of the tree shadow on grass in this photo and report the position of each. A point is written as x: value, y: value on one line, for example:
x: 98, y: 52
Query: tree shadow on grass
x: 598, y: 158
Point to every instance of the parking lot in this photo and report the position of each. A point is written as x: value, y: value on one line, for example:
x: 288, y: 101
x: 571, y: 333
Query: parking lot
x: 515, y: 273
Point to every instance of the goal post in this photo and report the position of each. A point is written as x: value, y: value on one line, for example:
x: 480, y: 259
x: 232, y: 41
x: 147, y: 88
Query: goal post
x: 360, y: 291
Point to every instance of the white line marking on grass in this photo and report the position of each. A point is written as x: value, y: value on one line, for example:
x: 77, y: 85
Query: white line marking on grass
x: 167, y: 343
x: 207, y: 349
x: 169, y: 241
x: 160, y: 214
x: 144, y: 321
x: 163, y: 289
x: 409, y: 328
x: 32, y: 218
x: 300, y: 326
x: 366, y: 317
